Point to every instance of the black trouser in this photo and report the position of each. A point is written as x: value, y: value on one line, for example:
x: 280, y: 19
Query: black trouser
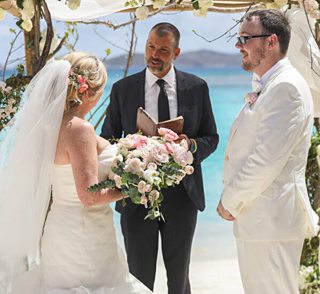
x: 141, y: 240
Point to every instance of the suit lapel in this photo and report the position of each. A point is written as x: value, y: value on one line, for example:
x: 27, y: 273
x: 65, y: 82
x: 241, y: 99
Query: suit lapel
x: 180, y: 88
x: 240, y: 116
x: 139, y: 89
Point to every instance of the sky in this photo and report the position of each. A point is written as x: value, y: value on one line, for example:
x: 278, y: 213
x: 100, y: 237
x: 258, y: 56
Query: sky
x: 96, y: 39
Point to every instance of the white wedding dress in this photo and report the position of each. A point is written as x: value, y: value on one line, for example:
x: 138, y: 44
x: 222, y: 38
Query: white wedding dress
x: 79, y: 249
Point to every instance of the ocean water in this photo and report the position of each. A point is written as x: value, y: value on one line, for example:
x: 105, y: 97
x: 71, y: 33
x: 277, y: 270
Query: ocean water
x: 227, y: 88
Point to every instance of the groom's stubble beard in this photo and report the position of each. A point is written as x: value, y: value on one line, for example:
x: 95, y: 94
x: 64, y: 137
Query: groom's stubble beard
x: 255, y: 60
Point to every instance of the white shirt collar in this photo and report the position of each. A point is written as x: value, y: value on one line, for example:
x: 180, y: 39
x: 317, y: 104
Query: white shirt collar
x: 264, y: 79
x: 169, y: 78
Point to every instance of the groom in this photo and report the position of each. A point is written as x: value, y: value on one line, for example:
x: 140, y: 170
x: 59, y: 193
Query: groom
x: 165, y: 93
x: 264, y: 169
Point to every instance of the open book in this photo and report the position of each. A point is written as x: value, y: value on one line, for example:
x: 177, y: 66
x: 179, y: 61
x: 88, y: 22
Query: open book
x: 149, y: 127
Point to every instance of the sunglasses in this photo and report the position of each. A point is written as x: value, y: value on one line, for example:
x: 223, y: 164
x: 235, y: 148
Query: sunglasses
x: 243, y: 39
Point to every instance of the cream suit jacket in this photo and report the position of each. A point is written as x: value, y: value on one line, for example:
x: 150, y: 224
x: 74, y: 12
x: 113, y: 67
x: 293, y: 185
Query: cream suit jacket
x: 265, y: 161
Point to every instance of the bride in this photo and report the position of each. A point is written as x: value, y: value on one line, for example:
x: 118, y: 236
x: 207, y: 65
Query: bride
x: 51, y: 150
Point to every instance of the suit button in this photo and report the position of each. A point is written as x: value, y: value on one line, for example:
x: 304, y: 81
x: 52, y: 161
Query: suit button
x: 226, y: 158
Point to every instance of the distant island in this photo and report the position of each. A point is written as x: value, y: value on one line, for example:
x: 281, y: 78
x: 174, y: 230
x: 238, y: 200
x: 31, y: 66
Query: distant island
x: 192, y: 59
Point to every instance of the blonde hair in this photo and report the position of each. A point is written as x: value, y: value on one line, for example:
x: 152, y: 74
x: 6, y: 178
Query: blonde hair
x: 94, y: 72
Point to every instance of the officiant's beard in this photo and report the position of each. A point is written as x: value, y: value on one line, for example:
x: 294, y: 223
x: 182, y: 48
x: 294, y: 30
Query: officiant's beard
x: 157, y: 69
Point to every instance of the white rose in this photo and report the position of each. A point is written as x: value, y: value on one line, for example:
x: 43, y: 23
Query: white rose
x: 149, y: 175
x: 127, y: 142
x: 118, y: 181
x: 2, y: 14
x: 152, y: 166
x: 27, y: 25
x: 142, y: 187
x: 74, y: 4
x: 159, y: 3
x: 133, y: 166
x: 184, y: 144
x: 189, y: 170
x: 205, y: 4
x: 123, y: 150
x: 142, y: 12
x: 137, y: 153
x: 202, y: 12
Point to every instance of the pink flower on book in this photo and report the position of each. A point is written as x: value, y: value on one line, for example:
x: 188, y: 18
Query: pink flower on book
x: 251, y: 98
x: 167, y: 134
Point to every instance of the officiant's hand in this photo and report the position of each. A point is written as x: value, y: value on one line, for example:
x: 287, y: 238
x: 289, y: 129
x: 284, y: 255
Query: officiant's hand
x: 224, y: 213
x: 183, y: 137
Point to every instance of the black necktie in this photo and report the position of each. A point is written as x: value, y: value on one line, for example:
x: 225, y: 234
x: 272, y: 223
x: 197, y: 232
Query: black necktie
x: 163, y: 103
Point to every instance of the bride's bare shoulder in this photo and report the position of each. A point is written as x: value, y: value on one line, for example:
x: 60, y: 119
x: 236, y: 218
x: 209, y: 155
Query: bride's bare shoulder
x: 77, y: 130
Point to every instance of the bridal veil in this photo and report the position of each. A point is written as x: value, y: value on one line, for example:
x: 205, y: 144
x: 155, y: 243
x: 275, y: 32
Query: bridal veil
x: 27, y: 152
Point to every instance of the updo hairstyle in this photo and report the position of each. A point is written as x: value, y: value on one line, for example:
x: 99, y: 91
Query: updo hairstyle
x: 85, y: 67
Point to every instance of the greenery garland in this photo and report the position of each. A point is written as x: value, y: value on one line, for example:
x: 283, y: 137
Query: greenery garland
x: 309, y: 270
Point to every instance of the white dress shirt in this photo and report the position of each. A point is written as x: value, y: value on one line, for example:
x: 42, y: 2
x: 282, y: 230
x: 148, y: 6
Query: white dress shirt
x: 152, y: 92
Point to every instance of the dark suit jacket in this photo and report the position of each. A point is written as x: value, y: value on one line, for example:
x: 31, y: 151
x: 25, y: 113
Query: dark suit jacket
x: 127, y: 95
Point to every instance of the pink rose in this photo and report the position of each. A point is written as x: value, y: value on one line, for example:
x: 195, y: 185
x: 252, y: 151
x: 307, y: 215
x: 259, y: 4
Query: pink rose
x: 140, y: 141
x: 168, y: 134
x: 189, y: 170
x: 142, y: 186
x: 159, y: 154
x: 83, y: 88
x: 154, y: 195
x: 169, y: 147
x: 251, y: 98
x: 81, y: 79
x: 144, y: 201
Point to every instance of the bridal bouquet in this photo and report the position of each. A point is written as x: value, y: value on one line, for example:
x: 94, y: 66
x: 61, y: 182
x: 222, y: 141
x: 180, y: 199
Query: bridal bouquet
x: 143, y: 166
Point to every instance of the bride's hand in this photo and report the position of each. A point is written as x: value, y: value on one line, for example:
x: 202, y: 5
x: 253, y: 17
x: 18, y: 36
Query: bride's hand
x: 112, y: 194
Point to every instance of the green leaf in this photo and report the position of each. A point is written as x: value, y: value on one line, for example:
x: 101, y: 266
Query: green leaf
x: 107, y: 51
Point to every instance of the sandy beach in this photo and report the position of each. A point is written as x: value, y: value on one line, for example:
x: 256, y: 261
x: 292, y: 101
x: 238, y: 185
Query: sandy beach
x: 214, y: 266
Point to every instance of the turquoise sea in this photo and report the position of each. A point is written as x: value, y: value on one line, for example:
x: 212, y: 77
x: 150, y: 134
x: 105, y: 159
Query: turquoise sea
x: 227, y: 88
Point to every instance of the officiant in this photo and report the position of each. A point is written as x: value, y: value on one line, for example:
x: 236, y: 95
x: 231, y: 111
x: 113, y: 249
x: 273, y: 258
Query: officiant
x: 165, y: 93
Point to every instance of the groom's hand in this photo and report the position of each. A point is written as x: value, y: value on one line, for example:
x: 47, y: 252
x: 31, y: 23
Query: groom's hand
x: 224, y: 213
